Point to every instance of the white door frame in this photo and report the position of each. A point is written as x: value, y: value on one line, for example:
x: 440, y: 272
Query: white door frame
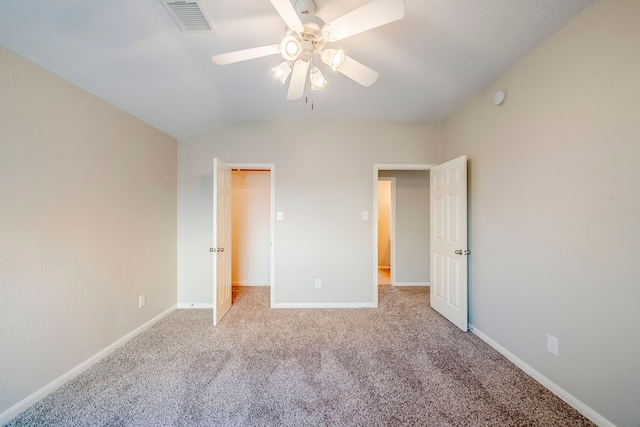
x: 377, y: 168
x: 271, y: 167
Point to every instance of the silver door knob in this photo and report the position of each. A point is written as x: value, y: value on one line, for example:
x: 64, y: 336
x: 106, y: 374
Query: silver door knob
x: 220, y: 249
x: 458, y: 252
x: 211, y: 250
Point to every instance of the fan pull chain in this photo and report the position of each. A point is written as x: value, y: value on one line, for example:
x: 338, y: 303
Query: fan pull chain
x: 306, y: 101
x: 306, y: 90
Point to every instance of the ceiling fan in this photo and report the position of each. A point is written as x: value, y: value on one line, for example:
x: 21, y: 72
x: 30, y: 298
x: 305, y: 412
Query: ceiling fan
x: 306, y: 37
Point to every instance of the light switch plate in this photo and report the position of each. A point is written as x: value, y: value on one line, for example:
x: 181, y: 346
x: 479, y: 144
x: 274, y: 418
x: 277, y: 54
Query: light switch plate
x: 552, y: 345
x: 280, y: 216
x: 365, y: 215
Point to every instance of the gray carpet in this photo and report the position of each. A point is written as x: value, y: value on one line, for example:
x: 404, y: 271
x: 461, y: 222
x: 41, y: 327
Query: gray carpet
x: 400, y: 364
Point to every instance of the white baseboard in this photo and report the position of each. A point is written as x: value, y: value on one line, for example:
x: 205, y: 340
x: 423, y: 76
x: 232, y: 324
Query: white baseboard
x: 546, y: 382
x: 249, y: 284
x: 326, y: 305
x: 412, y: 284
x: 24, y: 404
x: 195, y: 305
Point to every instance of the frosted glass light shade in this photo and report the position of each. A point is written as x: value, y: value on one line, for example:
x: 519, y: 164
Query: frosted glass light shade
x: 333, y: 58
x: 318, y: 81
x: 282, y: 71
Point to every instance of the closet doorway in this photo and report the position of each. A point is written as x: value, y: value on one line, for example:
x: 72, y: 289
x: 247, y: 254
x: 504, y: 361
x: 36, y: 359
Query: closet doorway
x: 252, y: 225
x: 386, y: 228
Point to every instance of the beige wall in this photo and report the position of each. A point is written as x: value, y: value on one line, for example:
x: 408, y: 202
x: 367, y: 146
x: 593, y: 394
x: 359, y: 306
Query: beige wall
x: 87, y: 224
x: 324, y: 180
x: 555, y: 208
x: 412, y: 227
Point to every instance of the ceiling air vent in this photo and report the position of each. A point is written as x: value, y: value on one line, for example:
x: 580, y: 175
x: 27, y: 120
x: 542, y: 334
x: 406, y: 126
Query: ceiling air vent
x: 189, y: 16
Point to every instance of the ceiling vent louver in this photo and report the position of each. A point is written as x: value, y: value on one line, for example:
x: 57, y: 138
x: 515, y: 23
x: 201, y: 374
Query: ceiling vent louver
x: 189, y: 16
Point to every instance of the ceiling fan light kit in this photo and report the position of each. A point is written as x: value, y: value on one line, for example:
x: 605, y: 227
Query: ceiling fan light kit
x: 290, y: 48
x: 306, y: 37
x: 333, y: 58
x: 316, y: 79
x: 282, y: 71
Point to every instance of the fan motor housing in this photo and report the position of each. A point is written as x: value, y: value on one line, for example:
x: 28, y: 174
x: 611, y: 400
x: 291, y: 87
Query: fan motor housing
x: 312, y: 36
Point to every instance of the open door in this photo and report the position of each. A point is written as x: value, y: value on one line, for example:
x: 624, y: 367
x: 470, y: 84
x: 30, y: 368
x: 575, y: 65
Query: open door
x: 221, y: 240
x: 449, y: 241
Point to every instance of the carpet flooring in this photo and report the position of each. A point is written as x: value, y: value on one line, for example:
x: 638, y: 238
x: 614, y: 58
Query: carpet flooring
x: 399, y: 364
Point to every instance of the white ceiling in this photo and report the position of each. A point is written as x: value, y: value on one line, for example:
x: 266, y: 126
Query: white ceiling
x: 131, y: 54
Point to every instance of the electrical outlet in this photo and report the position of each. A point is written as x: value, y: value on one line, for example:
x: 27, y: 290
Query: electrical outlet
x: 552, y: 345
x: 318, y: 283
x: 142, y: 300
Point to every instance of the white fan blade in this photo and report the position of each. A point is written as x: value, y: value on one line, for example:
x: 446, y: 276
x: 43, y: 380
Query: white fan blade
x: 358, y: 72
x: 243, y: 55
x: 298, y: 80
x: 371, y: 15
x: 288, y: 14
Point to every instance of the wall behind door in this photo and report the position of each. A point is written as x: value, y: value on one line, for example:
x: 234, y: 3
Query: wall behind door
x: 250, y: 228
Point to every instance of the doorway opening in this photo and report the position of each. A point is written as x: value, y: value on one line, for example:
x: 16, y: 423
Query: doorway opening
x: 386, y: 227
x: 252, y: 225
x: 408, y: 240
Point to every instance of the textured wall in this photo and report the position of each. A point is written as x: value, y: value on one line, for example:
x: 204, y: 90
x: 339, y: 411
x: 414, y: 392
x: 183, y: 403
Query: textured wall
x: 87, y: 224
x: 555, y: 208
x: 324, y: 180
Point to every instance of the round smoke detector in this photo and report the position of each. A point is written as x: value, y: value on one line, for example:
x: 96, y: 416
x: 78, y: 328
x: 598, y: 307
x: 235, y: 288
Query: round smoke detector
x: 500, y: 97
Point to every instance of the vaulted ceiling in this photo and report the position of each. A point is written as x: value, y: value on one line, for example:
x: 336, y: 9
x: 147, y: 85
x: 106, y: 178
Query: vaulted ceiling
x: 134, y: 56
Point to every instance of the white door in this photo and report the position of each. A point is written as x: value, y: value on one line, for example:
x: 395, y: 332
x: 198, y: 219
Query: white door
x: 449, y: 241
x: 221, y: 240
